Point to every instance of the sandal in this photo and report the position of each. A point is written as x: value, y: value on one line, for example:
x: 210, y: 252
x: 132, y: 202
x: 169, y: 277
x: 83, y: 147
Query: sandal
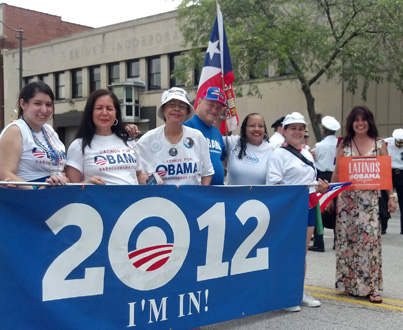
x: 375, y: 299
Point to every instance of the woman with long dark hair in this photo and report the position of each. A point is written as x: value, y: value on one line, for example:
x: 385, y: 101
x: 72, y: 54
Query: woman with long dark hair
x: 248, y: 152
x: 30, y: 149
x: 358, y: 229
x: 102, y: 152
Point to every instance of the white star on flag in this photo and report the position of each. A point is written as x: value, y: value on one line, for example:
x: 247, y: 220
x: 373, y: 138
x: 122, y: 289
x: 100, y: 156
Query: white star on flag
x: 213, y: 48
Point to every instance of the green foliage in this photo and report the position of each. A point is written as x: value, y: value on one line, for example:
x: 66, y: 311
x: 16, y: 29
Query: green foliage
x: 337, y: 39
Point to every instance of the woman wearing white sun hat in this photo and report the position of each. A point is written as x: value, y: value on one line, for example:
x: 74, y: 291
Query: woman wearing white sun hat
x: 286, y: 166
x: 179, y: 154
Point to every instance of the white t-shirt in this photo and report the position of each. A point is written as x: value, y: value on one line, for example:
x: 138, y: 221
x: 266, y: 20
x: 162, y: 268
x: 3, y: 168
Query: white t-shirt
x: 277, y: 139
x: 252, y: 168
x: 325, y: 154
x: 108, y: 157
x: 286, y: 168
x: 184, y: 163
x: 395, y: 153
x: 34, y: 163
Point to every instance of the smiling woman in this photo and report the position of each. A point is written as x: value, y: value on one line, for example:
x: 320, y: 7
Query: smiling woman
x: 248, y: 153
x: 179, y: 154
x: 30, y: 149
x: 358, y: 229
x: 102, y: 152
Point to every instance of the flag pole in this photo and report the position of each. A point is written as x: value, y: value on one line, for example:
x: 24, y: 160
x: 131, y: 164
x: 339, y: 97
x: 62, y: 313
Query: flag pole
x: 220, y: 34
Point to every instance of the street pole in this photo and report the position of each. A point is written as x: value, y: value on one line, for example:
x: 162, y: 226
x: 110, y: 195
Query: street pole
x: 20, y: 37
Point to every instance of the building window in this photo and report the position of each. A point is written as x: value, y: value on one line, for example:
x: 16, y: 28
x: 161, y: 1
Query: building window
x: 154, y: 73
x: 95, y: 78
x: 60, y: 85
x: 114, y: 76
x: 129, y: 100
x: 176, y: 65
x: 77, y: 83
x: 260, y: 68
x: 133, y: 69
x: 28, y: 80
x: 44, y: 78
x: 199, y: 66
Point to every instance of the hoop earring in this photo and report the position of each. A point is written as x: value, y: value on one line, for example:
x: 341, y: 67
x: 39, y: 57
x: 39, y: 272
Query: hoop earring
x: 116, y: 122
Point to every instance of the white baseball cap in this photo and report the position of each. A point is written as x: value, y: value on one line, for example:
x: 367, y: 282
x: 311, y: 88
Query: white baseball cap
x: 294, y: 118
x: 330, y: 123
x: 398, y: 134
x: 176, y: 93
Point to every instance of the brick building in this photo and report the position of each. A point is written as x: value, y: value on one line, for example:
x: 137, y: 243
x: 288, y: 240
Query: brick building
x: 136, y: 60
x: 37, y: 28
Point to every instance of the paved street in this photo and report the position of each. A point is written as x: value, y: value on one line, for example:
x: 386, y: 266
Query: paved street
x: 339, y: 311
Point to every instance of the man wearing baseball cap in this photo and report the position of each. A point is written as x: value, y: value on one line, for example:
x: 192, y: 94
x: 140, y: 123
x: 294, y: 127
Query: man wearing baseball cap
x: 277, y: 139
x: 325, y: 161
x: 209, y: 112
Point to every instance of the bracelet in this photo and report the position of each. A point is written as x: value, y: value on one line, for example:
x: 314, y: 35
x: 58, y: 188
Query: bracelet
x: 35, y: 187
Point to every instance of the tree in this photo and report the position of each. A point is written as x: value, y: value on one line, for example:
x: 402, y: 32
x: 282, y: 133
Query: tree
x: 336, y: 39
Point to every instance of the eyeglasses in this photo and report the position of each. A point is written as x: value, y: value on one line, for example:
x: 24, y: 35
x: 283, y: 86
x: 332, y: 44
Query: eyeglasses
x: 181, y: 106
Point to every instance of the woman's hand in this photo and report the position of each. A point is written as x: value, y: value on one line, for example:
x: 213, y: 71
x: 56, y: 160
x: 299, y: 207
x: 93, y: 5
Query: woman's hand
x: 8, y: 185
x: 57, y: 180
x: 132, y: 130
x: 323, y: 186
x: 95, y: 180
x: 391, y: 204
x: 330, y: 206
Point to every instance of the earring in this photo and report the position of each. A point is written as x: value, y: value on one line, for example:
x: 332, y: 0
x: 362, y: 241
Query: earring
x: 116, y: 122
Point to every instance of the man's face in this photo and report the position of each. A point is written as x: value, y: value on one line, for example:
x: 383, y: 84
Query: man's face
x: 209, y: 111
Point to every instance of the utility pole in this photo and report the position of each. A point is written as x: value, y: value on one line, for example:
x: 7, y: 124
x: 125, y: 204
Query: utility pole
x: 20, y: 37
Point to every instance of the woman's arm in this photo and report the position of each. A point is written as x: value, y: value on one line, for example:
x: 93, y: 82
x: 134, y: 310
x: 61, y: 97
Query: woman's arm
x: 74, y: 175
x: 206, y: 180
x: 391, y: 199
x: 10, y: 154
x: 141, y: 177
x: 339, y: 153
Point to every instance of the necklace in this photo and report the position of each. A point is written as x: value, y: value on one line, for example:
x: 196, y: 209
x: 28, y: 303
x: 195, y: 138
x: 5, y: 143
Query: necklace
x: 173, y: 151
x: 54, y: 155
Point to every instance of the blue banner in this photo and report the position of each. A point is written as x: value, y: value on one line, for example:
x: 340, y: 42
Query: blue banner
x: 151, y: 257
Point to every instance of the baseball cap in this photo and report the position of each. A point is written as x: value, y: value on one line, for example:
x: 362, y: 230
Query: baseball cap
x: 278, y: 122
x: 330, y: 123
x: 214, y: 94
x: 398, y: 134
x: 294, y: 118
x: 176, y: 93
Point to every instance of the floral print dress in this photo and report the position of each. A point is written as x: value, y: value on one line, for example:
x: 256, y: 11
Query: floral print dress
x: 358, y: 238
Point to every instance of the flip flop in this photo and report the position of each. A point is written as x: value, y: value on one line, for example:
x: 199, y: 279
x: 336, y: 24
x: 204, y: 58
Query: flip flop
x: 375, y: 299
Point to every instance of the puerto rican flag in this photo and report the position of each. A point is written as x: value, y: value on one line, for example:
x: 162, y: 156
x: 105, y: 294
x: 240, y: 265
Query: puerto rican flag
x: 217, y: 71
x: 332, y: 192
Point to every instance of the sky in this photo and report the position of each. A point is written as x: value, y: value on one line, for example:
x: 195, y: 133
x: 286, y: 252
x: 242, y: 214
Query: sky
x: 94, y: 13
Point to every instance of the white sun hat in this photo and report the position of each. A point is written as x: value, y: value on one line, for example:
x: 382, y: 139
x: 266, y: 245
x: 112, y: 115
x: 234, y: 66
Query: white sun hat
x: 294, y: 118
x: 176, y: 93
x: 330, y: 123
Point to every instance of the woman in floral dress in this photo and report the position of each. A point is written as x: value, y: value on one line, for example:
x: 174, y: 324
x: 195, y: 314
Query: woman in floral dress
x: 358, y: 228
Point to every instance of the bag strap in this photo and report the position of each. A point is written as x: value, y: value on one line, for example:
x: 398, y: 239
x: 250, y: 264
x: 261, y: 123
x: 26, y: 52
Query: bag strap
x: 296, y: 153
